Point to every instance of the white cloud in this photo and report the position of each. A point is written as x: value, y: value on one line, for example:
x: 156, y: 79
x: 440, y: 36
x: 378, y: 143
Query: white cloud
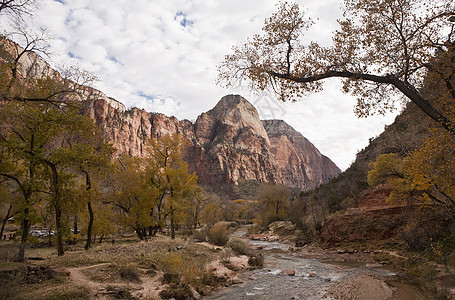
x: 168, y: 50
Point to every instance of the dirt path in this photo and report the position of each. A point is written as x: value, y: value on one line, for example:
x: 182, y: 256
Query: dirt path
x: 79, y: 279
x: 148, y: 288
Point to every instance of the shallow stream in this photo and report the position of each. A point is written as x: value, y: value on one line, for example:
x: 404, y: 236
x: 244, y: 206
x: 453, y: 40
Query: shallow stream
x: 269, y: 283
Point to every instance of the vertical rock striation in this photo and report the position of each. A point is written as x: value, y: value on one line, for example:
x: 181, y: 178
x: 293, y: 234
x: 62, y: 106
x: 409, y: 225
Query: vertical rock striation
x: 300, y: 162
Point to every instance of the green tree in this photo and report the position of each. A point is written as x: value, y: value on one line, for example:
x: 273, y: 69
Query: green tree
x: 383, y: 48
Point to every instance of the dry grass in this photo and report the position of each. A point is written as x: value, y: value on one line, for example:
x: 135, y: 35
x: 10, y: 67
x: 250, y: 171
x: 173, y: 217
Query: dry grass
x: 127, y: 263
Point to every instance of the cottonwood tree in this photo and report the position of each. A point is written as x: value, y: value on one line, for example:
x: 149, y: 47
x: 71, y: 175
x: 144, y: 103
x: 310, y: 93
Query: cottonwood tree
x: 8, y: 205
x: 168, y: 177
x: 273, y: 203
x: 21, y: 141
x: 129, y: 194
x: 383, y: 48
x: 65, y: 146
x: 94, y: 160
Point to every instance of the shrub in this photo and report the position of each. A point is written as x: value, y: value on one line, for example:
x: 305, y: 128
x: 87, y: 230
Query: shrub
x: 200, y: 235
x: 181, y: 292
x: 130, y: 273
x: 239, y: 246
x: 219, y: 235
x: 172, y: 265
x: 181, y: 268
x: 225, y: 255
x: 256, y: 261
x: 304, y: 235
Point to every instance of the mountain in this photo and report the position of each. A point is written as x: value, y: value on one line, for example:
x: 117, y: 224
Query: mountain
x: 229, y: 145
x: 301, y: 163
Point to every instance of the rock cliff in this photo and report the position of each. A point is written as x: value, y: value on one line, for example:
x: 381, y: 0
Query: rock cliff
x: 300, y: 162
x: 229, y: 144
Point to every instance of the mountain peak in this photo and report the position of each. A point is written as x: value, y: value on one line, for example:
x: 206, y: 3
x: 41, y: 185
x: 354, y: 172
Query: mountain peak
x: 237, y: 112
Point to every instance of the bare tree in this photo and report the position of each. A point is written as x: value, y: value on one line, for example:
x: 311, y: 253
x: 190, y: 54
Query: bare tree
x: 383, y: 48
x: 17, y: 8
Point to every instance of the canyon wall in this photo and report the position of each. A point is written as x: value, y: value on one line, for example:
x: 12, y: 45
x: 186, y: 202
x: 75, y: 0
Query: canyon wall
x: 228, y: 144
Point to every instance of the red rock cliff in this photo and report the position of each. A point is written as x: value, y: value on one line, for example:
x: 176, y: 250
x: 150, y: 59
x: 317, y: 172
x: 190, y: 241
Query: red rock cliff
x: 228, y: 143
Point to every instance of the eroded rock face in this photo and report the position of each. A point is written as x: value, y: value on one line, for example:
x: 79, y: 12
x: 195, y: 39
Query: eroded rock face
x: 228, y: 144
x: 300, y: 162
x: 234, y: 144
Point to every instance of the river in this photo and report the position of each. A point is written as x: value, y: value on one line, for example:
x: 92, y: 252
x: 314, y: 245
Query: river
x: 311, y: 281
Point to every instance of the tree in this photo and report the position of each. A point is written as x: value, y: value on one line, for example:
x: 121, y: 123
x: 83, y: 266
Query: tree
x: 167, y: 174
x: 131, y: 196
x: 68, y: 145
x: 8, y: 205
x: 21, y: 141
x: 273, y: 202
x: 94, y: 158
x: 212, y: 211
x: 17, y: 7
x: 383, y: 48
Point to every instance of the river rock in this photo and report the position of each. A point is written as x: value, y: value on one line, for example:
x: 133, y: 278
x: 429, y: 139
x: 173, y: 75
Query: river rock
x: 236, y: 280
x: 312, y: 275
x: 194, y: 294
x: 289, y: 272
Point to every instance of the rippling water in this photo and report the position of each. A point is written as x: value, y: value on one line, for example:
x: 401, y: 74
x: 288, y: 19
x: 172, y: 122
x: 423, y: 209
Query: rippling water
x: 269, y: 283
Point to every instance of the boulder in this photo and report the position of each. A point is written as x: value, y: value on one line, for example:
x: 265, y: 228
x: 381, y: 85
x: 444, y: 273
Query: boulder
x: 288, y: 272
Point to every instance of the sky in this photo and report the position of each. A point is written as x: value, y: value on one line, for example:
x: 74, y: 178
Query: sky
x: 162, y: 56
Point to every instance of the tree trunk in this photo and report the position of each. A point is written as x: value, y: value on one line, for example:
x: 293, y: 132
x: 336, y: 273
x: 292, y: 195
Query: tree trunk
x: 88, y: 186
x: 5, y: 220
x: 172, y: 225
x: 140, y: 234
x: 88, y: 244
x: 58, y: 223
x: 75, y: 230
x: 25, y: 228
x: 101, y: 238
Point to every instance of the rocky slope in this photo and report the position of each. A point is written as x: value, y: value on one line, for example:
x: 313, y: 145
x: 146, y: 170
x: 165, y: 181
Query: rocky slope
x: 229, y: 144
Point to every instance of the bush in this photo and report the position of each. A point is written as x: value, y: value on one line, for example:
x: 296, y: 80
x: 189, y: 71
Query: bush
x: 239, y: 246
x: 256, y: 261
x: 304, y: 235
x: 130, y: 273
x: 172, y: 265
x: 179, y: 268
x: 200, y: 235
x: 225, y: 255
x: 181, y: 292
x: 219, y: 235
